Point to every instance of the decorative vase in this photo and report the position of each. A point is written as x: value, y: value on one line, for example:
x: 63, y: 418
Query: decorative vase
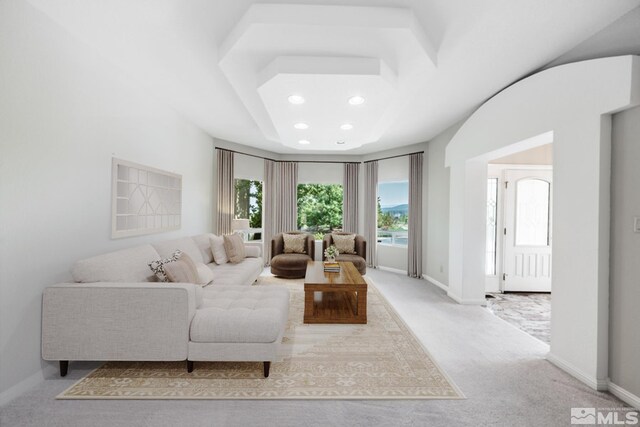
x: 331, y: 259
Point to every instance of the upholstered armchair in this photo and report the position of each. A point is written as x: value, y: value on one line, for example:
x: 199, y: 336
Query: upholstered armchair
x: 291, y: 265
x: 359, y: 259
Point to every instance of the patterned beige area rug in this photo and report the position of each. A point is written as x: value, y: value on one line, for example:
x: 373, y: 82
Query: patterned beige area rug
x: 379, y: 360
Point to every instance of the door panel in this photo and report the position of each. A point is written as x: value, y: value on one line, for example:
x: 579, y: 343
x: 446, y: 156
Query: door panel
x: 527, y: 237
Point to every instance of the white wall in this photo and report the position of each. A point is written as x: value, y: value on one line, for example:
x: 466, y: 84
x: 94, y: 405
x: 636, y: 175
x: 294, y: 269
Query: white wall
x: 541, y: 109
x: 436, y: 221
x: 64, y: 113
x: 320, y: 173
x: 624, y: 351
x: 248, y: 167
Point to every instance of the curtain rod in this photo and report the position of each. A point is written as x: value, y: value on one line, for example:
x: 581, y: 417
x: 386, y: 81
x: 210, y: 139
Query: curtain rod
x: 282, y: 161
x: 393, y: 157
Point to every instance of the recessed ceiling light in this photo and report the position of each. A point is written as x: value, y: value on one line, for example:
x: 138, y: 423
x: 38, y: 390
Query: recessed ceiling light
x: 340, y: 142
x: 356, y: 100
x: 301, y: 126
x: 304, y: 142
x: 296, y: 99
x: 346, y: 126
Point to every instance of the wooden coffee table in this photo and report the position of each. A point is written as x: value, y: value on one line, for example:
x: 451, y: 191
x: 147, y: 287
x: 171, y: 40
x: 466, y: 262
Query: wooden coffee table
x: 341, y: 298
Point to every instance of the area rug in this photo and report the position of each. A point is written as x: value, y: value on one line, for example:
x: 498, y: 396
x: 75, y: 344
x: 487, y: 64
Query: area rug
x: 379, y: 360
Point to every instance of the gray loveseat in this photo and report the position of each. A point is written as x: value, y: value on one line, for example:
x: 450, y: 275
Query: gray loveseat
x: 116, y: 311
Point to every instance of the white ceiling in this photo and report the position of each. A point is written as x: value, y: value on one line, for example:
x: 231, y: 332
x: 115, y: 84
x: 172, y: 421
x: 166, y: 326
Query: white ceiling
x: 424, y: 64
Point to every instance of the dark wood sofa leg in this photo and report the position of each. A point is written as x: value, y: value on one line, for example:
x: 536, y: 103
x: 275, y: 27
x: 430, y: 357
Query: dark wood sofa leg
x: 267, y: 365
x: 189, y: 366
x: 64, y: 368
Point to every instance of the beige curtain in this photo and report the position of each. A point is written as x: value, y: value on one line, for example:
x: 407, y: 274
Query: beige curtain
x: 225, y: 191
x: 415, y: 215
x: 268, y: 208
x: 280, y: 201
x: 350, y: 197
x: 371, y: 211
x: 286, y: 197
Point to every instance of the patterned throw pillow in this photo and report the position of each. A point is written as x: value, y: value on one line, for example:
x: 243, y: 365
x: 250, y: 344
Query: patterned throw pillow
x: 158, y: 266
x: 234, y: 247
x: 345, y: 243
x: 294, y: 243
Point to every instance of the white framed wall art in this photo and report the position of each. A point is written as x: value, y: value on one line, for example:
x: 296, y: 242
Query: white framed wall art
x: 145, y: 200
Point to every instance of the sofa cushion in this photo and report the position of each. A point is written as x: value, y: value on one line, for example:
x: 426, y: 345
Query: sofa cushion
x: 185, y: 244
x: 234, y: 246
x: 290, y: 261
x: 294, y: 243
x: 127, y: 265
x: 241, y: 315
x: 242, y: 273
x: 252, y: 251
x: 203, y: 242
x: 345, y: 243
x: 217, y: 248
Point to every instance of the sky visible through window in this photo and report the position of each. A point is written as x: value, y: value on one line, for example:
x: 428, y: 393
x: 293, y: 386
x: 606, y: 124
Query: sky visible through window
x: 393, y: 193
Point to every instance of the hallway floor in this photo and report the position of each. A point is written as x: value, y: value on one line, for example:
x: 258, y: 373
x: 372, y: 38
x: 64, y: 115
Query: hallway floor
x: 530, y: 312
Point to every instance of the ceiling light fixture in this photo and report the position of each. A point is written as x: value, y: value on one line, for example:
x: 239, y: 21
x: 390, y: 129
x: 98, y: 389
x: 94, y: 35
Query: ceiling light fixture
x: 295, y: 99
x: 356, y: 100
x: 304, y: 142
x: 346, y: 126
x: 301, y: 126
x: 340, y: 142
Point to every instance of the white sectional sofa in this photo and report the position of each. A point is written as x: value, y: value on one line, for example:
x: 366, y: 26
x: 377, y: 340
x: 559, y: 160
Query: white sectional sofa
x: 116, y: 310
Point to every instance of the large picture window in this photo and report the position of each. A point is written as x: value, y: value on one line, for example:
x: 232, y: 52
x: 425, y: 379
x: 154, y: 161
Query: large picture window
x: 393, y: 213
x: 319, y: 207
x: 248, y: 205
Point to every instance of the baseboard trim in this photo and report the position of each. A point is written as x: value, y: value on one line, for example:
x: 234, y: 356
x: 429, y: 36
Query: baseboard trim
x: 26, y: 384
x: 593, y: 382
x: 392, y: 270
x: 435, y: 282
x: 624, y: 395
x: 463, y: 301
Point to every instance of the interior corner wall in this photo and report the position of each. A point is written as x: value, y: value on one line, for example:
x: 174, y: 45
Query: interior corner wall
x: 64, y: 113
x: 571, y: 103
x: 436, y: 215
x: 624, y: 337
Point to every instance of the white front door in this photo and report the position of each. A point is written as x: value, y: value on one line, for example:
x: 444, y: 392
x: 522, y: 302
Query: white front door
x: 527, y: 233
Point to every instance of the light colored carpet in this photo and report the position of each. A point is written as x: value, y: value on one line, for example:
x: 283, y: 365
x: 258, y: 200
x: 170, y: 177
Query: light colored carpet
x: 379, y: 360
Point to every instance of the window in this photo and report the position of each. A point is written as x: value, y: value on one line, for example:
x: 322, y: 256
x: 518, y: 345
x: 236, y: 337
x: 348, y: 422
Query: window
x: 319, y: 207
x: 532, y: 212
x: 248, y: 205
x: 393, y: 213
x: 492, y: 226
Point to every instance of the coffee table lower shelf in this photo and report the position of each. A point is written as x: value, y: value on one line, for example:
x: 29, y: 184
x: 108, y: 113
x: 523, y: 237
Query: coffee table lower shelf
x: 335, y: 307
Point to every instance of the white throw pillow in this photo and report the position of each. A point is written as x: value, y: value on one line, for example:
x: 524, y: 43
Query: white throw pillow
x: 217, y: 247
x: 205, y: 275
